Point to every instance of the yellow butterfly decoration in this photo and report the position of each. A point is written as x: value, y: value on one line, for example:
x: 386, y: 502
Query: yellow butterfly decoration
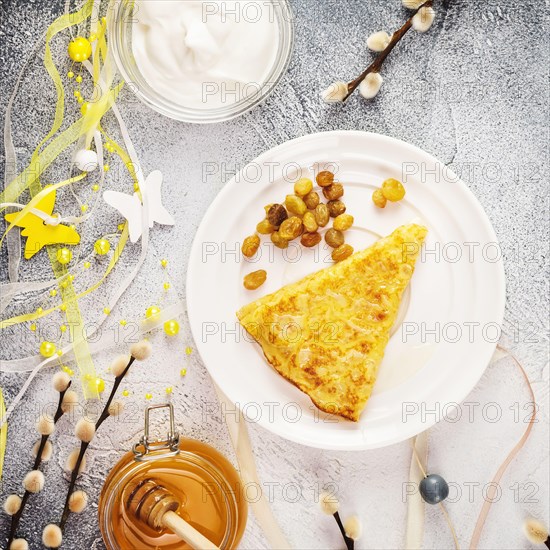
x: 38, y: 232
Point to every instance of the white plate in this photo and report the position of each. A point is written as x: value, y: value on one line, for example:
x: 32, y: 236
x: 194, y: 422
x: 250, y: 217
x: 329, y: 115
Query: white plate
x: 450, y: 319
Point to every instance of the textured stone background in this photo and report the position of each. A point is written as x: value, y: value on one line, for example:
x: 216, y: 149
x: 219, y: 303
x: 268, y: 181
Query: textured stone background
x: 473, y: 92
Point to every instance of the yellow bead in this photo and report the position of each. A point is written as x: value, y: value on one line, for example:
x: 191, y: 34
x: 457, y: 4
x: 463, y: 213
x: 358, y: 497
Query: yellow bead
x: 76, y: 93
x: 120, y: 227
x: 148, y: 396
x: 84, y: 108
x: 93, y: 37
x: 88, y: 377
x: 53, y: 292
x: 63, y: 328
x: 64, y: 284
x: 70, y: 278
x: 106, y: 167
x: 59, y: 352
x: 122, y: 322
x: 47, y: 349
x: 102, y: 247
x: 84, y: 207
x: 87, y: 265
x: 80, y: 100
x: 164, y: 262
x: 39, y: 310
x: 169, y: 390
x: 64, y: 256
x: 152, y: 312
x: 171, y: 327
x: 79, y: 49
x: 188, y: 350
x: 63, y: 307
x: 183, y: 372
x: 33, y: 327
x: 125, y: 393
x: 70, y: 74
x: 166, y: 286
x: 106, y: 310
x: 78, y: 79
x: 95, y: 188
x: 100, y: 385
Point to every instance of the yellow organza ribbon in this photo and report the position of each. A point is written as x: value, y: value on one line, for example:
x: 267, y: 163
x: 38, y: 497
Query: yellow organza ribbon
x: 41, y: 159
x: 3, y: 432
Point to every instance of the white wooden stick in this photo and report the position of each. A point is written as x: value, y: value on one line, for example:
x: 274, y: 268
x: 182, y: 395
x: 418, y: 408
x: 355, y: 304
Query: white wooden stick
x: 187, y: 532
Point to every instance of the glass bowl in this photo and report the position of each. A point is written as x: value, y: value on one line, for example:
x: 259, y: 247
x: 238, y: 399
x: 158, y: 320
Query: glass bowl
x: 120, y: 26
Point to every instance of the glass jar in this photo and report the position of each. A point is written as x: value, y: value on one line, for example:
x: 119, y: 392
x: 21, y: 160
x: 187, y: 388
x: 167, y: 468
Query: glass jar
x: 207, y: 486
x: 120, y: 41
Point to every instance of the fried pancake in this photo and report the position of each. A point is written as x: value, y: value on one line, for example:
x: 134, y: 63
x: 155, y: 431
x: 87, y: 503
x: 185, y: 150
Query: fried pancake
x: 327, y: 332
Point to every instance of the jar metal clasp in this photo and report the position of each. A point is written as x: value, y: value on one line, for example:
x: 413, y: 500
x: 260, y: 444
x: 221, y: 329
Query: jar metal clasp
x: 147, y: 449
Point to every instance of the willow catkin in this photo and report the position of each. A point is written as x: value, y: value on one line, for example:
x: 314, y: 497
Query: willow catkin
x: 141, y: 350
x: 52, y: 536
x: 329, y: 503
x: 120, y: 362
x: 12, y: 504
x: 60, y: 381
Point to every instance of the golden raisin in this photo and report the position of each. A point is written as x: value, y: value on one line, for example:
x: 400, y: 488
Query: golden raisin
x: 291, y: 228
x: 310, y: 225
x: 310, y: 239
x: 278, y: 241
x: 342, y: 252
x: 264, y: 228
x: 324, y: 178
x: 334, y: 238
x: 336, y: 208
x: 393, y: 190
x: 276, y: 215
x: 311, y: 200
x: 295, y: 205
x: 250, y: 246
x: 343, y: 222
x: 333, y: 191
x: 322, y: 214
x: 255, y: 280
x: 378, y: 198
x: 303, y: 186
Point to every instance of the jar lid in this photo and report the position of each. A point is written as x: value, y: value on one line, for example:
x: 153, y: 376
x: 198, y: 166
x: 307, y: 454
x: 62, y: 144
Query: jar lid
x: 207, y: 486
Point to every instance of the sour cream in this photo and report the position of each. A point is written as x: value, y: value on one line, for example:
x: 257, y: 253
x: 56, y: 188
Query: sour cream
x: 205, y: 54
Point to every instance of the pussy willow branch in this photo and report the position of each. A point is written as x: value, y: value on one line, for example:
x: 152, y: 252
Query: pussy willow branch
x: 375, y: 66
x: 16, y: 518
x: 84, y: 445
x: 350, y: 543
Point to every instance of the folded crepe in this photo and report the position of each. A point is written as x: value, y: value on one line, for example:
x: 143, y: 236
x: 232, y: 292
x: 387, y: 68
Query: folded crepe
x: 327, y: 332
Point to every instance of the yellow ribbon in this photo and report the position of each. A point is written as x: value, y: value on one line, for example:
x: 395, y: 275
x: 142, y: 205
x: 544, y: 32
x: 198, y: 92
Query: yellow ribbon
x: 40, y: 161
x: 3, y: 432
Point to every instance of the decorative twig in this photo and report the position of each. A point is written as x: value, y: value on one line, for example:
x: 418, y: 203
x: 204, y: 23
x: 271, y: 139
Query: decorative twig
x: 34, y: 480
x: 421, y: 20
x: 85, y: 430
x: 350, y: 529
x: 85, y: 434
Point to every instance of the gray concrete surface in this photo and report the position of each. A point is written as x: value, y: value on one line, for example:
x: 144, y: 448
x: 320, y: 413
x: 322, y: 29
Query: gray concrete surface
x: 474, y: 92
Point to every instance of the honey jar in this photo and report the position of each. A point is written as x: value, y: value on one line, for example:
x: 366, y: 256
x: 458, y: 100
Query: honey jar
x: 207, y: 486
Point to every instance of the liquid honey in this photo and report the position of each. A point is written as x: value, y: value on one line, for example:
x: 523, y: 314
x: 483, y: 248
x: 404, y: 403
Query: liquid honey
x: 206, y: 484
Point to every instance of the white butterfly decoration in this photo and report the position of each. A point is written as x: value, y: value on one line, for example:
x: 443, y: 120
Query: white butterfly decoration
x: 130, y: 206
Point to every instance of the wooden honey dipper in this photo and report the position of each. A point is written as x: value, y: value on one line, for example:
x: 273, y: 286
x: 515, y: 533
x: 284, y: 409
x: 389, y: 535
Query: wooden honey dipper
x: 156, y: 506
